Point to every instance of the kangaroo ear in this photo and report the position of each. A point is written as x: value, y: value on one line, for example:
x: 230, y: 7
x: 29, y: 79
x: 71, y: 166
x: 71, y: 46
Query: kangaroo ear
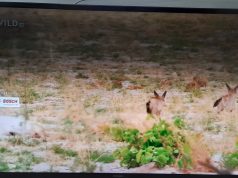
x: 228, y: 87
x: 148, y: 110
x: 164, y: 94
x: 156, y: 94
x: 217, y: 102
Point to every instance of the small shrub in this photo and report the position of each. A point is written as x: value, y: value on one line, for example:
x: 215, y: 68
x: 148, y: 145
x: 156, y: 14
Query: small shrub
x: 185, y: 161
x: 124, y: 135
x: 91, y: 101
x: 64, y: 152
x: 4, y: 167
x: 100, y: 110
x: 179, y: 122
x: 87, y: 165
x: 102, y: 157
x: 159, y: 144
x: 18, y: 140
x: 25, y: 160
x: 68, y: 125
x: 211, y: 126
x: 31, y: 142
x: 115, y: 85
x: 197, y: 93
x: 116, y: 133
x: 190, y: 97
x: 3, y: 150
x: 117, y: 120
x: 29, y: 95
x: 84, y: 160
x: 68, y: 122
x: 62, y: 80
x: 231, y: 160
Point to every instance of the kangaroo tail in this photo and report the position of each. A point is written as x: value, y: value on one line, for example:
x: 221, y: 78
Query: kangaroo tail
x: 217, y: 102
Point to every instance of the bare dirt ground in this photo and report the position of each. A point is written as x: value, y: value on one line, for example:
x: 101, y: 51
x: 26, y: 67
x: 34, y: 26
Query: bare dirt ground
x: 79, y: 73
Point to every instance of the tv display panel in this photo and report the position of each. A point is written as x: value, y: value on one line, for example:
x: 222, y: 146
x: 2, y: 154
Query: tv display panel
x: 117, y: 92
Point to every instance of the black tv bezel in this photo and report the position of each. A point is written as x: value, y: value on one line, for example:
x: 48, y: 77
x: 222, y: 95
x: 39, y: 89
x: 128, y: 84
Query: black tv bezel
x: 118, y: 9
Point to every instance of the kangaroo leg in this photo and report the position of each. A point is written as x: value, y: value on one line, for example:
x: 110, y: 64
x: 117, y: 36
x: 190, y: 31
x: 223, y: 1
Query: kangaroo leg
x: 157, y: 119
x: 149, y: 116
x: 153, y: 116
x: 158, y: 116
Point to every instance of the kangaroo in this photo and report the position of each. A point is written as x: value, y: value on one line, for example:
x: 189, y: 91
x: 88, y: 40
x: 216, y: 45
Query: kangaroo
x: 227, y: 101
x: 196, y: 83
x: 155, y: 104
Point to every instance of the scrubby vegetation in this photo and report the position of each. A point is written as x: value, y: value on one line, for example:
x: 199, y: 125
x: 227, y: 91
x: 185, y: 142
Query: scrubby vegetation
x: 4, y: 166
x: 23, y: 160
x: 161, y: 145
x: 64, y: 152
x: 179, y: 122
x: 102, y: 157
x: 231, y: 159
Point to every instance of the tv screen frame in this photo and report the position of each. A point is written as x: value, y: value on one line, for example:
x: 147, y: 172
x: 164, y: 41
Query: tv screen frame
x: 119, y: 9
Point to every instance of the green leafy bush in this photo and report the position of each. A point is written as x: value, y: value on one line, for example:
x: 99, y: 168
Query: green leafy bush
x: 159, y: 144
x: 231, y: 160
x: 179, y: 122
x: 125, y: 135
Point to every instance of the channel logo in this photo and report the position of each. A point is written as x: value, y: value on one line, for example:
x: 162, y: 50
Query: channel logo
x: 9, y: 102
x: 11, y: 23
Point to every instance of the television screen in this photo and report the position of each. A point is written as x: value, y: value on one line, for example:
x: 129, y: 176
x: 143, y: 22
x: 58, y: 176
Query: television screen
x: 118, y: 92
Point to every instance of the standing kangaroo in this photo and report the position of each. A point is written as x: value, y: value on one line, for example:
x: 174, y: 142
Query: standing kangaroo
x: 227, y: 101
x: 155, y: 104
